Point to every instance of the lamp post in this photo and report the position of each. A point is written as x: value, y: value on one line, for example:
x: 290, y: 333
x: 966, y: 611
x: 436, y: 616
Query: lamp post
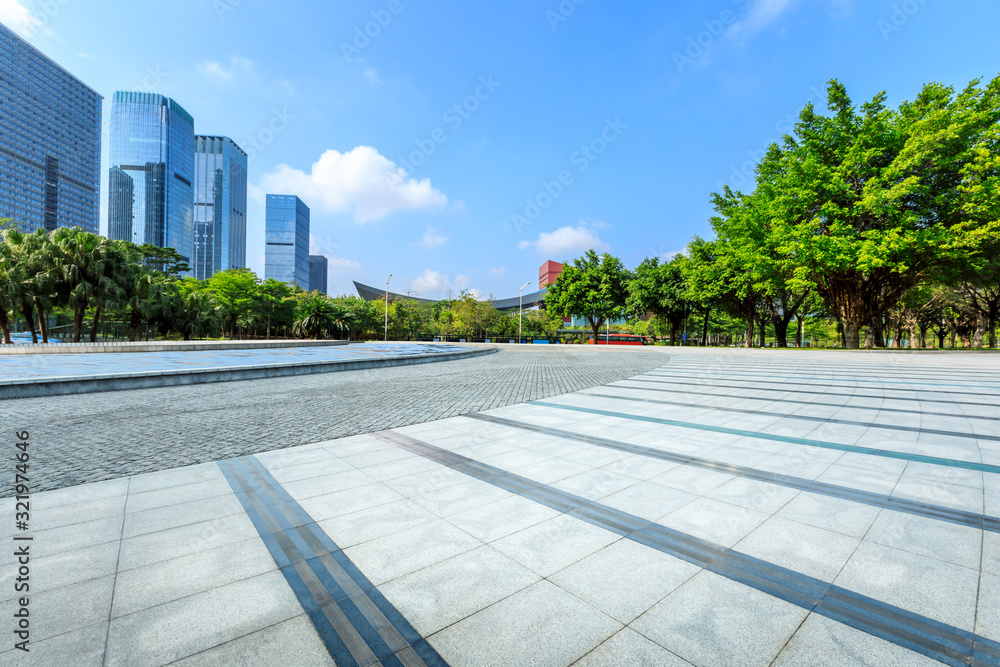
x: 520, y: 311
x: 387, y: 307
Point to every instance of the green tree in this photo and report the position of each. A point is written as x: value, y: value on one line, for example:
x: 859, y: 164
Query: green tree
x: 660, y: 289
x: 319, y: 317
x: 237, y: 293
x: 591, y: 286
x: 868, y: 203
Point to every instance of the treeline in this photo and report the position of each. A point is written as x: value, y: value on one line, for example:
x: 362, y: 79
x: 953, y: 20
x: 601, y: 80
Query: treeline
x: 138, y: 291
x: 883, y: 221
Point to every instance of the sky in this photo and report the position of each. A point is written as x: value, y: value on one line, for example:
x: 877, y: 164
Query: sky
x: 457, y: 146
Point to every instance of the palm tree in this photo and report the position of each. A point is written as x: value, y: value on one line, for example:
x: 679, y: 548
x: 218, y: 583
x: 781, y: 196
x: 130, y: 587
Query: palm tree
x: 19, y: 275
x: 117, y: 261
x: 197, y: 314
x: 318, y: 316
x: 81, y: 257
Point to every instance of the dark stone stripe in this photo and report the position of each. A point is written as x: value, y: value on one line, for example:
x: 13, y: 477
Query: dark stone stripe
x: 735, y: 377
x: 356, y: 623
x: 936, y: 512
x: 883, y: 397
x: 947, y: 644
x: 867, y: 451
x: 872, y: 408
x: 782, y: 415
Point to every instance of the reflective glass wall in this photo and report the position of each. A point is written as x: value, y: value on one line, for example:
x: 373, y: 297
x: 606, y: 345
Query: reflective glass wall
x: 151, y: 194
x: 220, y: 206
x: 286, y: 234
x: 50, y: 141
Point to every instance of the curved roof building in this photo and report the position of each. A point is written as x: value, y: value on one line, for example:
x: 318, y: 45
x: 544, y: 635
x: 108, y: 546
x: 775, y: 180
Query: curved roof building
x: 369, y: 293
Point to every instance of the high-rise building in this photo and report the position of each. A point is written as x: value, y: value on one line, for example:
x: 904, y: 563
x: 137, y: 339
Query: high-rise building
x: 220, y: 206
x: 50, y: 141
x: 286, y: 234
x: 318, y: 265
x: 151, y: 197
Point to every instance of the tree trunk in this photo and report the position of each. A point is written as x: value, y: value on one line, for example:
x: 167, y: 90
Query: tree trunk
x: 704, y: 329
x: 596, y: 326
x: 78, y: 323
x: 751, y: 332
x: 93, y: 325
x: 5, y: 326
x: 800, y: 331
x: 781, y: 332
x: 852, y: 335
x: 992, y: 327
x: 43, y: 326
x: 29, y: 319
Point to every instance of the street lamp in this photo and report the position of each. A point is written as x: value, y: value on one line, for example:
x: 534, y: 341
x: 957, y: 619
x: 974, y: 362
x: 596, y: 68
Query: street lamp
x: 520, y: 311
x: 387, y: 307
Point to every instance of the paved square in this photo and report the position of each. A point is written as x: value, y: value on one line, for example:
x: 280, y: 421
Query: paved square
x: 724, y: 508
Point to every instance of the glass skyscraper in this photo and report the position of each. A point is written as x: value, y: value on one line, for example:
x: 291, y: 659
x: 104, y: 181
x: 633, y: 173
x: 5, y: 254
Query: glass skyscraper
x: 220, y: 206
x: 150, y: 194
x: 50, y: 141
x: 318, y: 265
x: 286, y: 234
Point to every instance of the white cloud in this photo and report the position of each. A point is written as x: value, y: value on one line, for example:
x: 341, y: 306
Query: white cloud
x: 216, y: 70
x: 432, y: 284
x: 499, y: 271
x: 360, y: 181
x: 82, y: 55
x: 371, y: 74
x: 432, y: 239
x: 566, y: 241
x: 20, y: 19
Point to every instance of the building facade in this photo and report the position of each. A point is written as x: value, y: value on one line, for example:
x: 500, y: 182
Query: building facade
x: 220, y: 206
x: 151, y: 193
x: 50, y: 141
x: 286, y: 235
x: 548, y: 274
x: 318, y: 273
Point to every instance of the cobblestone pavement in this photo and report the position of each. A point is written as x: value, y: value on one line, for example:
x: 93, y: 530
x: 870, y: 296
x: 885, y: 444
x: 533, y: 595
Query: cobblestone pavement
x: 94, y: 437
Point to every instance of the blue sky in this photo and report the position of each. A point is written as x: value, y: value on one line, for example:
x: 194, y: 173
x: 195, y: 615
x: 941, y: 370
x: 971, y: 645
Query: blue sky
x: 579, y: 123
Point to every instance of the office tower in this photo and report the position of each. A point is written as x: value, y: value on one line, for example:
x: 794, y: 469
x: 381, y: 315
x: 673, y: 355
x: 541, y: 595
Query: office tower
x: 50, y: 141
x: 151, y: 198
x: 220, y: 206
x: 286, y: 234
x: 318, y: 266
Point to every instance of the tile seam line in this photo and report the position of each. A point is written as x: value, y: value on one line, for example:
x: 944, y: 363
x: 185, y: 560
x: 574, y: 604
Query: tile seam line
x: 982, y: 522
x: 114, y: 581
x: 727, y: 560
x: 867, y: 451
x: 757, y: 387
x: 781, y: 415
x: 855, y: 380
x: 279, y: 494
x: 617, y: 385
x: 298, y: 563
x: 295, y: 558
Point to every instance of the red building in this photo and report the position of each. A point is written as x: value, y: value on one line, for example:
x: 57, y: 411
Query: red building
x: 548, y: 273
